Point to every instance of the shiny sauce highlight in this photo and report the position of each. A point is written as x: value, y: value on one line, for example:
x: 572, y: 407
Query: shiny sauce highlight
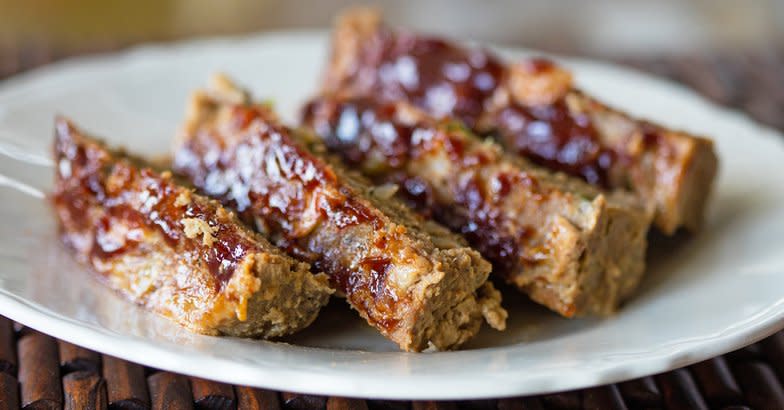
x: 120, y: 205
x: 368, y: 135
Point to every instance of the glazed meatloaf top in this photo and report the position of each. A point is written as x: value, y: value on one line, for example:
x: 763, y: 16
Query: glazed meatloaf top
x: 532, y: 108
x: 414, y: 281
x: 173, y: 251
x: 568, y: 245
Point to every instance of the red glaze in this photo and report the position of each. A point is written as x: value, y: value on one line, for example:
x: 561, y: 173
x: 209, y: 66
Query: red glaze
x: 553, y: 136
x: 370, y: 136
x: 254, y: 165
x: 108, y: 206
x: 446, y: 80
x: 442, y: 78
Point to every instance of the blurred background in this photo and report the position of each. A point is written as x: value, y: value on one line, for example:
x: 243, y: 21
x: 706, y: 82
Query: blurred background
x: 587, y: 27
x: 727, y: 49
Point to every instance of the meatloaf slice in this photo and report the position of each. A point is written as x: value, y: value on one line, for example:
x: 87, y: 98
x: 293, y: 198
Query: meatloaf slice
x: 175, y: 252
x: 532, y: 108
x: 416, y: 282
x: 569, y: 246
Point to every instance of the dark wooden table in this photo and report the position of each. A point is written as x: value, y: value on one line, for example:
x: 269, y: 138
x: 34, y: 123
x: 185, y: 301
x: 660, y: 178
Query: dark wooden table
x: 38, y: 371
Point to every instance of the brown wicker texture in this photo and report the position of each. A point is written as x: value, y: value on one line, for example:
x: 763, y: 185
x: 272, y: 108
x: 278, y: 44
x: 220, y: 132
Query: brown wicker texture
x: 38, y: 371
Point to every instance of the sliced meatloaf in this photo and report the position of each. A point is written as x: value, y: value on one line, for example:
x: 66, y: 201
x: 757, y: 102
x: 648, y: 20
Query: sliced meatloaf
x: 172, y: 251
x: 569, y: 246
x: 532, y: 108
x: 414, y: 281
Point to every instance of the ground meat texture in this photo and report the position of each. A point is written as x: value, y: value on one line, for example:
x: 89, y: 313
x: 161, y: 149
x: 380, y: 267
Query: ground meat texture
x: 532, y: 108
x: 172, y: 251
x: 569, y: 246
x: 417, y: 284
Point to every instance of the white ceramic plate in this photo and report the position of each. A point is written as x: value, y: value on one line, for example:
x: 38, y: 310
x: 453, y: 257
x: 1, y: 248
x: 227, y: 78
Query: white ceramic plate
x: 702, y: 296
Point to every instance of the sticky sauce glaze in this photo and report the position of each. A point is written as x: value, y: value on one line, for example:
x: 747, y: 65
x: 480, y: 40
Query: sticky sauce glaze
x: 447, y: 80
x: 265, y: 173
x: 369, y: 135
x: 442, y: 78
x: 255, y: 166
x: 120, y: 207
x: 368, y: 291
x: 553, y: 136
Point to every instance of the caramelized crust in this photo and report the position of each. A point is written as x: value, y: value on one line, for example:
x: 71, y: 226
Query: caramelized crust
x: 569, y: 246
x: 418, y: 284
x: 175, y: 252
x: 532, y: 108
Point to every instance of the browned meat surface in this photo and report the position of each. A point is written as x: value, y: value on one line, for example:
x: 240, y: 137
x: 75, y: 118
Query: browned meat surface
x: 175, y: 252
x: 567, y: 245
x: 532, y: 108
x: 416, y: 282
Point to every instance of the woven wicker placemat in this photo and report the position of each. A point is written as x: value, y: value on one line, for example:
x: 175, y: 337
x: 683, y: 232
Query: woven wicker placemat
x: 38, y: 371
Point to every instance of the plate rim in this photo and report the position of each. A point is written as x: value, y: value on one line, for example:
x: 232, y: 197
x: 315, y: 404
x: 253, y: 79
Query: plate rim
x: 105, y: 341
